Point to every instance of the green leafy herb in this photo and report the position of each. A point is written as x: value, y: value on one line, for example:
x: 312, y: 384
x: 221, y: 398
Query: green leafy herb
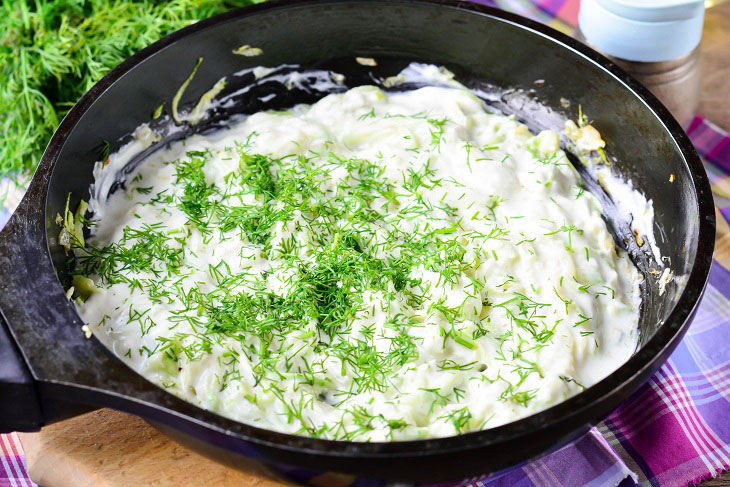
x: 52, y: 51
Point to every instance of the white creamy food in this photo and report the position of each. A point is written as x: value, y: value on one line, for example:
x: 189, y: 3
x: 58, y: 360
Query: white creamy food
x: 372, y: 267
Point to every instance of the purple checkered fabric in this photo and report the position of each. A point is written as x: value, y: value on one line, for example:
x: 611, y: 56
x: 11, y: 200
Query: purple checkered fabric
x: 12, y: 463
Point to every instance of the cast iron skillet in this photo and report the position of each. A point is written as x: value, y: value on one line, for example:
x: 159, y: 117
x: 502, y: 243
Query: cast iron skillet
x: 49, y: 371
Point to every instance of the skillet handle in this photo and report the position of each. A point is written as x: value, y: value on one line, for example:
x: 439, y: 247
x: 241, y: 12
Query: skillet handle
x: 28, y: 401
x: 25, y: 404
x: 19, y: 403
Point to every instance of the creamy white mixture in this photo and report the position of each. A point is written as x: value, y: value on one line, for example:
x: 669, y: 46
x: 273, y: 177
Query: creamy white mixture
x: 371, y: 267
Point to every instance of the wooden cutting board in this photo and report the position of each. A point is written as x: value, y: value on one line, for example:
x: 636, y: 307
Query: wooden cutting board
x: 106, y: 448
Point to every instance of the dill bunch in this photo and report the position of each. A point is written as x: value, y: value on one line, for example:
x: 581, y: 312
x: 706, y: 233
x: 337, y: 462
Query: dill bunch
x: 53, y: 51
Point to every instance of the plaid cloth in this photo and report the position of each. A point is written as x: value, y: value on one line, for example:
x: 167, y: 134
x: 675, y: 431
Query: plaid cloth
x: 12, y: 463
x: 558, y: 14
x: 674, y: 432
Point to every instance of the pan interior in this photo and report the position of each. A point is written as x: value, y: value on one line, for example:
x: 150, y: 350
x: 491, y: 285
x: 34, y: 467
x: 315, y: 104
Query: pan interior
x: 519, y: 72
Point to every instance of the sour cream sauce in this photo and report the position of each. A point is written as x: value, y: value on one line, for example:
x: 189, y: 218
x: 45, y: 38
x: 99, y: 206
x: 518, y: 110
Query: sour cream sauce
x: 477, y: 282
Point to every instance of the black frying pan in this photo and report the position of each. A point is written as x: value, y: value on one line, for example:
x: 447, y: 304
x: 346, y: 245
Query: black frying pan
x: 49, y: 371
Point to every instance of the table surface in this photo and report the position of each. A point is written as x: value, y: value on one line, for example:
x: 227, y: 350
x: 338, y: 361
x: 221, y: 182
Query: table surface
x: 714, y: 105
x: 714, y: 99
x: 715, y: 66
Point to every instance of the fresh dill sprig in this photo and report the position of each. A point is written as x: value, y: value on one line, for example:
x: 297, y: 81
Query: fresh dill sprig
x: 52, y: 51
